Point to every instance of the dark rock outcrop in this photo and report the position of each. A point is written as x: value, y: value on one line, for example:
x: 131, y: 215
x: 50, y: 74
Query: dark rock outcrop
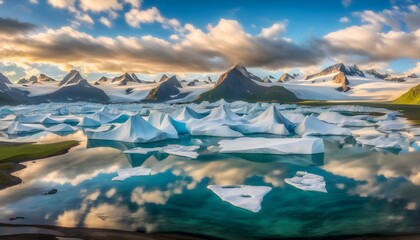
x: 123, y: 79
x: 166, y: 90
x: 285, y: 77
x: 81, y: 91
x: 413, y: 75
x: 236, y: 84
x: 163, y: 78
x: 374, y: 73
x: 72, y: 77
x: 340, y: 67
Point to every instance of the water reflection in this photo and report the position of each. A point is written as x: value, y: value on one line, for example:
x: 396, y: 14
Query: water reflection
x: 368, y: 191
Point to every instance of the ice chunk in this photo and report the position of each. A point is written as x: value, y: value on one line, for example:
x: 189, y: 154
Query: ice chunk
x: 392, y: 141
x: 5, y: 111
x: 38, y: 118
x: 162, y: 122
x: 131, y: 172
x: 186, y: 113
x: 415, y: 131
x: 295, y: 118
x: 313, y: 126
x: 177, y: 150
x: 341, y: 120
x: 62, y: 111
x: 16, y: 128
x: 242, y: 196
x: 61, y: 128
x: 88, y: 122
x: 135, y: 129
x: 391, y: 125
x: 270, y: 121
x: 368, y: 131
x: 306, y: 145
x: 307, y: 181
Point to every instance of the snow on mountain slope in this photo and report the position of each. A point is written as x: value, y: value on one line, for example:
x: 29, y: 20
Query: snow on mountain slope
x: 132, y: 92
x: 362, y: 88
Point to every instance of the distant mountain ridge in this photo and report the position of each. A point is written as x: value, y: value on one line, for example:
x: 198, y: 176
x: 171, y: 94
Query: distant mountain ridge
x: 337, y: 68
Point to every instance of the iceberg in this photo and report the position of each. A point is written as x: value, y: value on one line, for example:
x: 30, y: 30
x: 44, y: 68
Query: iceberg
x: 88, y: 122
x: 341, y: 120
x: 391, y: 125
x: 5, y: 111
x: 162, y: 122
x: 307, y: 181
x: 295, y: 118
x: 242, y: 196
x: 270, y: 121
x: 306, y: 145
x: 16, y: 128
x: 313, y: 126
x: 105, y: 115
x: 131, y: 172
x: 61, y: 128
x: 392, y: 141
x: 367, y: 131
x: 135, y: 129
x: 186, y: 113
x: 62, y: 111
x: 415, y: 131
x: 30, y: 118
x: 177, y: 150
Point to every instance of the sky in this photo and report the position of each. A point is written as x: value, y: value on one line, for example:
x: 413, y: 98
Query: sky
x: 196, y: 39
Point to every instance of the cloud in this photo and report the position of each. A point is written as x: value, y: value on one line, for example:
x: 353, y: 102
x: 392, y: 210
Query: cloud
x: 63, y: 4
x: 134, y: 3
x: 11, y: 26
x: 100, y: 6
x: 344, y: 20
x: 10, y: 73
x: 274, y: 31
x: 33, y: 1
x: 84, y: 17
x: 415, y: 69
x: 105, y: 22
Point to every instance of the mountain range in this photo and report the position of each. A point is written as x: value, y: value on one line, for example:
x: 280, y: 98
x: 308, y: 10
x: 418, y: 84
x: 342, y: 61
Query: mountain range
x: 337, y: 82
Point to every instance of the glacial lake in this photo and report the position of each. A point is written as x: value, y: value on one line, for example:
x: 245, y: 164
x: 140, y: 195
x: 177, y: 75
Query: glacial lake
x: 370, y: 191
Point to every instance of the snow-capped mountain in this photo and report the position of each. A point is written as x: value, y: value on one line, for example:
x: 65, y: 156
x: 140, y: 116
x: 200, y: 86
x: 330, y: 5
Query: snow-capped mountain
x: 286, y: 77
x: 72, y: 77
x: 166, y: 90
x: 337, y: 68
x: 238, y: 84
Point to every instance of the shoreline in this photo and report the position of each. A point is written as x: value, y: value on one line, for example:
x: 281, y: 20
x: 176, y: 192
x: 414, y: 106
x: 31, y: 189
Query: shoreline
x: 33, y: 231
x: 8, y: 167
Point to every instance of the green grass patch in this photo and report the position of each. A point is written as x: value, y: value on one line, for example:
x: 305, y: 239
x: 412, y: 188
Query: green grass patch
x: 3, y: 178
x: 6, y: 166
x: 412, y: 96
x: 32, y: 151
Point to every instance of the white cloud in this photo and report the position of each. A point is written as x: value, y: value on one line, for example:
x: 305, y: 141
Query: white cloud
x: 1, y: 2
x: 415, y: 69
x: 84, y: 17
x: 273, y: 31
x: 64, y: 4
x: 10, y: 73
x: 33, y: 1
x: 105, y: 22
x: 100, y: 6
x: 136, y: 17
x: 134, y: 3
x: 174, y: 37
x: 344, y: 20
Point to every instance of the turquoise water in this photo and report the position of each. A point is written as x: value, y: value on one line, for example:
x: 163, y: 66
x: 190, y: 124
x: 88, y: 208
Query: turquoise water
x: 369, y: 192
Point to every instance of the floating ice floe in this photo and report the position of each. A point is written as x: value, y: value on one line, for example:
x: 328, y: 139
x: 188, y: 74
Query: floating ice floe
x: 106, y: 115
x: 60, y: 119
x: 16, y: 128
x: 88, y: 122
x: 61, y: 128
x: 62, y: 111
x: 186, y: 113
x: 162, y: 122
x: 367, y: 131
x: 131, y: 172
x: 295, y: 118
x: 415, y: 131
x: 5, y: 111
x: 177, y: 150
x: 306, y: 145
x: 391, y: 125
x: 270, y: 121
x: 242, y: 196
x: 341, y: 120
x: 135, y: 129
x: 30, y: 118
x: 313, y: 126
x: 392, y: 141
x: 307, y: 181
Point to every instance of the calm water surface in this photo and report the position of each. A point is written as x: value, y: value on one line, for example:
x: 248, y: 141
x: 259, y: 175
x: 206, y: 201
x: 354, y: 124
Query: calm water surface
x: 369, y: 191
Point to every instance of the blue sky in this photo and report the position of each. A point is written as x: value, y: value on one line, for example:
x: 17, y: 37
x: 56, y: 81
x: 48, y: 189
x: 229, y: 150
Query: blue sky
x: 201, y: 38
